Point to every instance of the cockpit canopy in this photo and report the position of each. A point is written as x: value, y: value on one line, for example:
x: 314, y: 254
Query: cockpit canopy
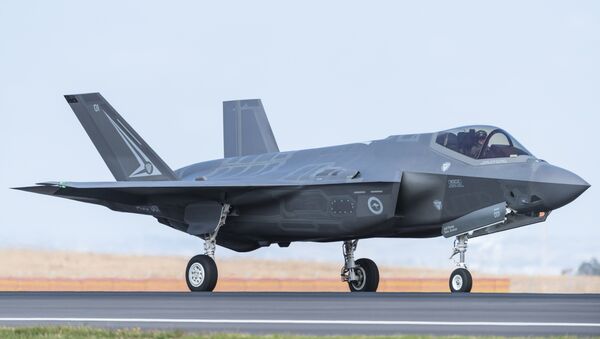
x: 481, y: 142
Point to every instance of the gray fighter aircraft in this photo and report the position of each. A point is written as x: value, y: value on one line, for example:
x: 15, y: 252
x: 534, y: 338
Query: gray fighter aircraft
x: 463, y: 183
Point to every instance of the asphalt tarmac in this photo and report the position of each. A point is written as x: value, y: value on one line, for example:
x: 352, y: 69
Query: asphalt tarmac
x: 312, y: 313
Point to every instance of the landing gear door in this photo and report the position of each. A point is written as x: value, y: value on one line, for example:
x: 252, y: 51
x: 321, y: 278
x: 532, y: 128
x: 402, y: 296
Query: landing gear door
x: 481, y: 218
x: 202, y: 217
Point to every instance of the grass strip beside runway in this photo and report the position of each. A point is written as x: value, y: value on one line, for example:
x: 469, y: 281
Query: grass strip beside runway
x: 95, y: 333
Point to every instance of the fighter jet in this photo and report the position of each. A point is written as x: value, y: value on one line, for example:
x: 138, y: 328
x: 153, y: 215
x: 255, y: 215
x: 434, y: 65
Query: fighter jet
x: 460, y: 183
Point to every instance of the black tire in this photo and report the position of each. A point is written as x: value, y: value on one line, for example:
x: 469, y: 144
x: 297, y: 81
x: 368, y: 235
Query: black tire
x: 201, y: 274
x: 368, y: 274
x: 461, y: 281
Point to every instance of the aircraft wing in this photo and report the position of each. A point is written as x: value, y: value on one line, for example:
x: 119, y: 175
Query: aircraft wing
x: 142, y: 192
x: 192, y: 207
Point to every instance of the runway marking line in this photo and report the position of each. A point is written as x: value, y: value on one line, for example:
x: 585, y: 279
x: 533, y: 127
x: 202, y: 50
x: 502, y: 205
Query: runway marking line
x: 305, y: 322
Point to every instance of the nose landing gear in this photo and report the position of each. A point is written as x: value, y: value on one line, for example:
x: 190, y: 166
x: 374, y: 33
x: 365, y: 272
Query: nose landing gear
x: 460, y: 279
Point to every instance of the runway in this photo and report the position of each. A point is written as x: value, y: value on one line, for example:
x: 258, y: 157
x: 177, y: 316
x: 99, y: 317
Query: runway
x: 311, y: 313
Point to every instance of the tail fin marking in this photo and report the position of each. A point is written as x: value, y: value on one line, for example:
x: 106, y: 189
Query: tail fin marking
x: 125, y: 153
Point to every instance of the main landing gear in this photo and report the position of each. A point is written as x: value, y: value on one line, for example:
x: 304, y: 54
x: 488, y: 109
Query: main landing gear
x: 460, y: 279
x: 361, y: 275
x: 201, y: 273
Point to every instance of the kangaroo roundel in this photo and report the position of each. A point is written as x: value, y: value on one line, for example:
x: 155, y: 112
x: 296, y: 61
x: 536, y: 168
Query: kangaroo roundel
x: 375, y: 205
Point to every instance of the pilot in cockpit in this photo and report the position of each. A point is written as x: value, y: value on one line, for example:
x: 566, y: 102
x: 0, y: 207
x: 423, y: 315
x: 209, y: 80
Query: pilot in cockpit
x: 480, y: 138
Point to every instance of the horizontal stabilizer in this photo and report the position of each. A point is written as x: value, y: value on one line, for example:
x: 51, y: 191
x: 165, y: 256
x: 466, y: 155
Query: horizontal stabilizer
x: 246, y: 129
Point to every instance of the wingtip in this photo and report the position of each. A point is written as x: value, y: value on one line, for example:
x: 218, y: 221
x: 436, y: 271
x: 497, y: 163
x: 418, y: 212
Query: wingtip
x: 18, y: 188
x: 41, y: 189
x: 40, y: 185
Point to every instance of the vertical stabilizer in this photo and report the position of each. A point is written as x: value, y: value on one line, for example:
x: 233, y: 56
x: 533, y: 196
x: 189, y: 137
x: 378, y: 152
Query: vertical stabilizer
x: 246, y: 129
x: 125, y: 153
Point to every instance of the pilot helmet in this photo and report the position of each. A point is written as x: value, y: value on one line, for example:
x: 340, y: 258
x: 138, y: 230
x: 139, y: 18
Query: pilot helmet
x: 481, y: 135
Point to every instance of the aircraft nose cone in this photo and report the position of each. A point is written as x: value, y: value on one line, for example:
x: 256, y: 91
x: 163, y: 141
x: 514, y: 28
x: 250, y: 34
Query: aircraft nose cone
x: 557, y: 186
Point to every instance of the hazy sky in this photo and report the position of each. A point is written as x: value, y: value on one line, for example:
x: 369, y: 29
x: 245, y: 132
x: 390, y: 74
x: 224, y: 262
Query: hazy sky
x: 328, y: 73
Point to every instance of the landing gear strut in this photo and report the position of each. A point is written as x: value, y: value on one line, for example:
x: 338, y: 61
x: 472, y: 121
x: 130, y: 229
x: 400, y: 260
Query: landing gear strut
x: 201, y: 273
x: 361, y: 275
x: 460, y: 279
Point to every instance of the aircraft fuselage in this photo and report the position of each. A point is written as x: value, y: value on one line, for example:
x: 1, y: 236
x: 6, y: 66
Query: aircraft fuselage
x: 401, y: 186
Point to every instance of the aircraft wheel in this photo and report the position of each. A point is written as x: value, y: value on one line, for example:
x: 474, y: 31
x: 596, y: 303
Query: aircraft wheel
x: 368, y: 276
x: 201, y: 274
x: 461, y: 281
